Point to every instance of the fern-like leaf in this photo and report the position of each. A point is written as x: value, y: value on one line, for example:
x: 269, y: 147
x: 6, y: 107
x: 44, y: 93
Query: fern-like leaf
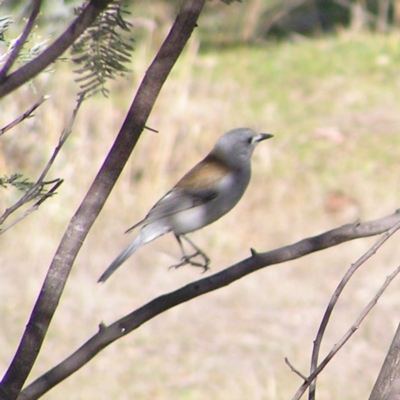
x: 103, y: 51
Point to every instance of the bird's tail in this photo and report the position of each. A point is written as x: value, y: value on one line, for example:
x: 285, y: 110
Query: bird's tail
x: 147, y: 234
x: 133, y: 246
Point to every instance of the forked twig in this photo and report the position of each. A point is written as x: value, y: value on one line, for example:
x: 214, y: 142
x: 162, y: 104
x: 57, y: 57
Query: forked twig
x: 311, y: 379
x: 58, y: 183
x: 325, y: 320
x: 346, y: 336
x: 36, y: 189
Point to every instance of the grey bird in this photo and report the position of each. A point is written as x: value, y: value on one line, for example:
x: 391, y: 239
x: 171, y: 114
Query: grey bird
x: 206, y: 193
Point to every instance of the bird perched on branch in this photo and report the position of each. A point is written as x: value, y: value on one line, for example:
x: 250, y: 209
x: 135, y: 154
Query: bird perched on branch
x: 206, y: 193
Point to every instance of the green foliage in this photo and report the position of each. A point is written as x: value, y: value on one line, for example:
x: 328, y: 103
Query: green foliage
x: 5, y: 22
x: 103, y: 51
x: 27, y: 53
x: 15, y: 181
x: 32, y: 190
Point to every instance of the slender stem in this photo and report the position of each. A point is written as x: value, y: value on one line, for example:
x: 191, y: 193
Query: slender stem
x: 335, y: 297
x: 25, y: 115
x: 21, y: 40
x: 347, y: 335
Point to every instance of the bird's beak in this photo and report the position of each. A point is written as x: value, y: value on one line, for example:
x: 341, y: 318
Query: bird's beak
x: 263, y: 136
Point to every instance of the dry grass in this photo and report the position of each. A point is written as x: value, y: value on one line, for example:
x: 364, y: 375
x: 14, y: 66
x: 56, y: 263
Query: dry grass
x: 333, y: 107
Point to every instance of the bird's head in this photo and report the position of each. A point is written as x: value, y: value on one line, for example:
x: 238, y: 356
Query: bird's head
x: 237, y: 145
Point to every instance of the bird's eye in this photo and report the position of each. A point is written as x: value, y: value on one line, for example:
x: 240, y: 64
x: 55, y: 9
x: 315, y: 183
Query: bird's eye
x: 250, y: 140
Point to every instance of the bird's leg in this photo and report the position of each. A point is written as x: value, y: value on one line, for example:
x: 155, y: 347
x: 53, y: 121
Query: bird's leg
x: 188, y: 259
x: 199, y: 252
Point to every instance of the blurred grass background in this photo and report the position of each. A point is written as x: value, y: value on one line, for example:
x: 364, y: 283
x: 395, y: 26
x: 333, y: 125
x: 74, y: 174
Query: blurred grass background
x: 332, y: 103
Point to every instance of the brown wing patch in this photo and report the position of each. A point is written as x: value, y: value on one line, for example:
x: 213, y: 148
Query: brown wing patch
x: 204, y: 175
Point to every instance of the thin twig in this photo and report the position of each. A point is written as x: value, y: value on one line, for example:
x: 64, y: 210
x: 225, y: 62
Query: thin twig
x: 33, y: 192
x: 63, y: 137
x: 30, y: 210
x: 21, y: 40
x: 28, y: 196
x: 347, y: 335
x: 296, y: 371
x: 25, y: 115
x: 325, y: 320
x: 51, y: 192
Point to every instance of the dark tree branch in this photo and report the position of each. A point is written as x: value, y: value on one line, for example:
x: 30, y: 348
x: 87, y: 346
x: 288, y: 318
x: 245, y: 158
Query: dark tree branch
x: 37, y: 65
x: 387, y: 386
x: 21, y: 40
x: 92, y: 204
x: 125, y: 325
x: 25, y: 115
x: 335, y: 297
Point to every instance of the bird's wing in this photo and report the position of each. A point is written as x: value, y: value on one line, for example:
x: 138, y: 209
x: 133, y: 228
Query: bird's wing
x: 174, y: 201
x: 199, y: 186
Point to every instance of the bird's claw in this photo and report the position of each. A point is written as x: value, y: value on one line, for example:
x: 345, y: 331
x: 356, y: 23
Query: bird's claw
x: 188, y: 259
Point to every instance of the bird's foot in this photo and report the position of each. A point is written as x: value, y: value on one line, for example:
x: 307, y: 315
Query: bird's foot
x: 188, y: 259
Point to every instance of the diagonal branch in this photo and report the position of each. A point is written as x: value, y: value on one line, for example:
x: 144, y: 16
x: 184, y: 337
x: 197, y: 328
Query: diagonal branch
x: 92, y: 204
x: 347, y: 336
x: 127, y: 324
x: 56, y: 184
x: 21, y: 40
x: 25, y: 115
x: 335, y: 297
x: 32, y: 68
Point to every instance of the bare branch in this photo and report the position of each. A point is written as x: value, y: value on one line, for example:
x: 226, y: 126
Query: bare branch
x: 108, y: 334
x: 85, y: 216
x: 51, y: 192
x: 63, y: 138
x: 347, y: 335
x: 325, y: 320
x: 29, y: 195
x: 37, y: 188
x: 21, y: 40
x: 25, y: 115
x: 32, y: 68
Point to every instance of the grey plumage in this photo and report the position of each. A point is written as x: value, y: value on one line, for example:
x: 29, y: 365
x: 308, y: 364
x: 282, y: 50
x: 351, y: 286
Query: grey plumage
x: 207, y: 192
